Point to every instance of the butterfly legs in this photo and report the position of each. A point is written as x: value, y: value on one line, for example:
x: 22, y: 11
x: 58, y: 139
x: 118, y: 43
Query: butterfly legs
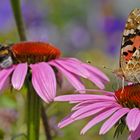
x: 122, y: 85
x: 138, y: 78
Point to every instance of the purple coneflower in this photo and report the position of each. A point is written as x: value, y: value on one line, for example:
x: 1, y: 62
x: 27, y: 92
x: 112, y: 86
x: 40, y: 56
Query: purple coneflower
x: 119, y: 108
x: 43, y: 62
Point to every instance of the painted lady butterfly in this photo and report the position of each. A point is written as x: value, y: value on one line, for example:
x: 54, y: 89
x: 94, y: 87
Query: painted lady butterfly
x: 130, y: 50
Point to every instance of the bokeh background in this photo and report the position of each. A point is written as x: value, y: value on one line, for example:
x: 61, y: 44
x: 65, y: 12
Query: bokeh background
x: 90, y: 30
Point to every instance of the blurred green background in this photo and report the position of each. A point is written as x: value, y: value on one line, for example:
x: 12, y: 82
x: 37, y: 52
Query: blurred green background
x: 90, y: 30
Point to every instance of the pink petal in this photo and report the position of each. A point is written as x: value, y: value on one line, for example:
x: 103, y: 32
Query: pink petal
x: 19, y: 75
x: 6, y: 84
x: 97, y: 81
x: 4, y: 75
x: 100, y: 91
x: 96, y: 71
x: 113, y: 119
x: 100, y: 117
x: 90, y: 68
x: 83, y: 104
x: 73, y: 67
x: 83, y: 97
x: 133, y: 119
x: 90, y: 113
x: 92, y: 107
x: 84, y: 70
x: 66, y: 121
x: 44, y: 81
x: 135, y: 135
x: 72, y: 78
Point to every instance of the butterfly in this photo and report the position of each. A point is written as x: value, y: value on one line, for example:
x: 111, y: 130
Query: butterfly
x: 129, y: 68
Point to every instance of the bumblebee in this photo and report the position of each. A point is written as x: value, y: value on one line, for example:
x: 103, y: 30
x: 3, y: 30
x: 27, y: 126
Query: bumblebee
x: 30, y: 52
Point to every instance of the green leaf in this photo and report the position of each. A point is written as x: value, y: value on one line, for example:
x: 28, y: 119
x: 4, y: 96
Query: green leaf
x: 119, y: 129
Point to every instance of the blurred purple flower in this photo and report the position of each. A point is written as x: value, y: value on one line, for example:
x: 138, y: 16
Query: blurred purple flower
x: 79, y: 37
x: 6, y: 21
x: 111, y: 24
x: 112, y: 27
x: 7, y: 118
x: 45, y: 33
x: 37, y: 33
x: 33, y: 13
x: 120, y: 107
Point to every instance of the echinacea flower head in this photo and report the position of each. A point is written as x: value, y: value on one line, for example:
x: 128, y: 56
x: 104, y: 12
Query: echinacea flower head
x: 43, y: 61
x: 120, y: 109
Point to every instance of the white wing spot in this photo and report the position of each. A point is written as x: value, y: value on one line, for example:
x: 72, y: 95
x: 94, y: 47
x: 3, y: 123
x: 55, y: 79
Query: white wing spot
x: 138, y: 27
x: 126, y: 32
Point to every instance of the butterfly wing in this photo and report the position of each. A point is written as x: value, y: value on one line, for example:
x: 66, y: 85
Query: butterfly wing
x: 131, y: 38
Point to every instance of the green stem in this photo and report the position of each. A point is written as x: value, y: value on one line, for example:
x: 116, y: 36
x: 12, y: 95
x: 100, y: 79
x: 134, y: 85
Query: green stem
x: 33, y: 114
x: 46, y: 123
x: 18, y: 18
x: 33, y: 105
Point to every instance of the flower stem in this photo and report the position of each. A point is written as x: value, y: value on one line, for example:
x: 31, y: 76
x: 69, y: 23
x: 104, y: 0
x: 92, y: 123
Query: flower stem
x: 33, y: 100
x: 33, y: 114
x: 46, y: 123
x: 18, y: 18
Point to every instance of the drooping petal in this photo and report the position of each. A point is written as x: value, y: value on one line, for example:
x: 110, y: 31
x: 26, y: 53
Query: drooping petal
x: 90, y: 113
x: 99, y: 91
x: 72, y: 78
x: 69, y: 119
x: 82, y: 104
x: 4, y: 75
x: 133, y: 119
x: 44, y: 81
x: 90, y: 68
x: 97, y: 81
x: 19, y: 75
x: 96, y: 76
x: 6, y: 84
x: 66, y: 121
x: 96, y: 71
x: 113, y: 119
x: 100, y: 117
x: 135, y: 135
x: 84, y: 70
x: 73, y: 67
x: 83, y: 97
x: 40, y: 91
x: 92, y: 107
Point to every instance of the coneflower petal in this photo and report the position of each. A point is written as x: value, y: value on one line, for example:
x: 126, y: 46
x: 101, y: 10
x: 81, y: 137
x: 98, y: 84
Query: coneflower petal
x: 100, y: 117
x: 4, y: 75
x: 112, y: 120
x: 89, y: 113
x: 90, y: 68
x: 92, y: 107
x: 84, y: 97
x: 44, y: 81
x: 133, y: 119
x: 135, y: 135
x: 19, y: 75
x: 66, y: 121
x: 73, y: 66
x: 94, y: 70
x: 72, y: 78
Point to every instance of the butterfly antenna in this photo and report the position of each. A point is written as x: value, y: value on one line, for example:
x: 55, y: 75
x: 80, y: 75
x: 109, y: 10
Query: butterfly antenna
x: 89, y: 61
x: 111, y: 70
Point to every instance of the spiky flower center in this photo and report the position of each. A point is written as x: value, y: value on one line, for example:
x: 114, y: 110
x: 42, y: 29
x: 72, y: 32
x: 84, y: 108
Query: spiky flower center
x: 129, y: 96
x: 33, y: 52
